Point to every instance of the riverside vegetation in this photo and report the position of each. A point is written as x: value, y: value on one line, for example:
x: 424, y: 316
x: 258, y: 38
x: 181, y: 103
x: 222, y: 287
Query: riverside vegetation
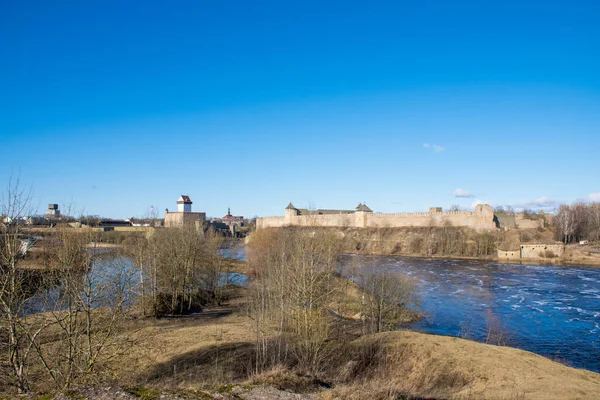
x: 92, y: 304
x: 159, y: 316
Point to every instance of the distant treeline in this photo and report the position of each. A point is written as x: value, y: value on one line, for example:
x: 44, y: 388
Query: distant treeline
x: 579, y: 221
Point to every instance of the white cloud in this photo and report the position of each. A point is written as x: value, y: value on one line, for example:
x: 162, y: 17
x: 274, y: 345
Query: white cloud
x: 541, y: 203
x: 462, y: 193
x: 594, y: 197
x: 434, y: 147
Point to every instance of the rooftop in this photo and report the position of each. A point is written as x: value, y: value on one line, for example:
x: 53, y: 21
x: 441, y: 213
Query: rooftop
x: 184, y: 199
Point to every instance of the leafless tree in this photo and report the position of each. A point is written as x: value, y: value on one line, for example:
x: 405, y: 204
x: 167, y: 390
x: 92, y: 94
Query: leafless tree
x: 292, y: 287
x: 138, y: 249
x: 14, y: 288
x: 86, y: 309
x: 570, y: 221
x: 593, y: 222
x: 386, y: 300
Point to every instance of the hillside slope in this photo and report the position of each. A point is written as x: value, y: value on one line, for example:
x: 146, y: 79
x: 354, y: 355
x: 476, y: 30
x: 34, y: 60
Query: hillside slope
x: 431, y: 366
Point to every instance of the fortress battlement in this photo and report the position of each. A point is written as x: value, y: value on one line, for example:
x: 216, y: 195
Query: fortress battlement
x: 482, y: 218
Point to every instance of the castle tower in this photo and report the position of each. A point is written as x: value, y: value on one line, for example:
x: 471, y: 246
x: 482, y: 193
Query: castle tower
x: 184, y: 204
x: 360, y: 215
x: 290, y: 213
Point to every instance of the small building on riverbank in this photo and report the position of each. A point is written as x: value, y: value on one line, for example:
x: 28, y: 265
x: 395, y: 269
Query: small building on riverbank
x: 535, y: 251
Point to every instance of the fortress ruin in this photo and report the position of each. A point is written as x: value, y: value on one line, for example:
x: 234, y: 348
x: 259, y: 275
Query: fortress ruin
x: 481, y: 219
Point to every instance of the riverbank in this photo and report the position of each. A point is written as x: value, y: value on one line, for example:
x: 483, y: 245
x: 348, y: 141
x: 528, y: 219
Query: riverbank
x: 210, y: 355
x: 549, y: 310
x: 460, y: 243
x: 577, y: 261
x: 463, y: 244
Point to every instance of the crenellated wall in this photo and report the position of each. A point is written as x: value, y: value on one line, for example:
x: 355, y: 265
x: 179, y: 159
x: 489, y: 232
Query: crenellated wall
x: 480, y: 219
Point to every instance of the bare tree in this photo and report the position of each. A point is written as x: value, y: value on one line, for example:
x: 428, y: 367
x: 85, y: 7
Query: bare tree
x: 187, y: 269
x: 570, y: 221
x: 593, y: 222
x: 138, y: 249
x: 292, y: 287
x: 86, y: 309
x: 14, y: 289
x: 386, y: 300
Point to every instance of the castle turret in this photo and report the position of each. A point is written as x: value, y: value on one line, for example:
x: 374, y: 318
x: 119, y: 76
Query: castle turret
x: 363, y: 207
x: 360, y: 215
x: 184, y: 204
x: 290, y: 213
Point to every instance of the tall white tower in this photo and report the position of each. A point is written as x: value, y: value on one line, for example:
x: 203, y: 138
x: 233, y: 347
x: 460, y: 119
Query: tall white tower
x: 184, y: 204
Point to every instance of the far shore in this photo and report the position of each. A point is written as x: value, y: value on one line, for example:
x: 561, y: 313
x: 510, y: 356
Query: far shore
x: 592, y: 262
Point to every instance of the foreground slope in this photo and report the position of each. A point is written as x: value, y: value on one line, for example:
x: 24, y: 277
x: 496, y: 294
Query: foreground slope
x: 445, y: 367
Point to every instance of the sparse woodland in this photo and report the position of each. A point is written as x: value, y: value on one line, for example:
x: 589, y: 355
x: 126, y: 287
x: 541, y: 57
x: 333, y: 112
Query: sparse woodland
x: 299, y: 304
x: 578, y: 221
x: 299, y: 296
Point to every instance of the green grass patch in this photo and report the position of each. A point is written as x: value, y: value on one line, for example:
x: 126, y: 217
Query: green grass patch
x: 142, y: 392
x: 47, y: 396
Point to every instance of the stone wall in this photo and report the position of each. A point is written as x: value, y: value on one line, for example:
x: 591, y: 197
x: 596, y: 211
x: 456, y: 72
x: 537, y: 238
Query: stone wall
x: 480, y: 219
x: 532, y: 252
x: 270, y: 222
x: 526, y: 223
x: 540, y: 251
x: 513, y: 255
x: 179, y: 219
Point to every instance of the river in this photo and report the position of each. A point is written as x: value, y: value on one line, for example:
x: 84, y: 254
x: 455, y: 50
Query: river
x: 549, y: 310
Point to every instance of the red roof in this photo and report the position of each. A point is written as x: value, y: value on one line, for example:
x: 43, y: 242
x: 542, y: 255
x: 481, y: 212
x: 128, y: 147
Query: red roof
x: 185, y: 199
x: 233, y: 217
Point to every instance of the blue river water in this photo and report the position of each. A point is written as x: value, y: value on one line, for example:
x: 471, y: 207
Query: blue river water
x: 553, y: 310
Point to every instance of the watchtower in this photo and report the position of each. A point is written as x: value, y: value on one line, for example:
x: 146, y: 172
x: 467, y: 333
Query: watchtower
x: 184, y: 204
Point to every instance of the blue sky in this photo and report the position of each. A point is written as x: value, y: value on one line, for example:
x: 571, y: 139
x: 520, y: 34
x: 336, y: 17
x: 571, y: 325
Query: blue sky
x: 114, y: 107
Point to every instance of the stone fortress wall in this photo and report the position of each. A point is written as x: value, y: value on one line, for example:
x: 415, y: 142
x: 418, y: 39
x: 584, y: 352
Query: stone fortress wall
x: 179, y: 219
x: 482, y: 218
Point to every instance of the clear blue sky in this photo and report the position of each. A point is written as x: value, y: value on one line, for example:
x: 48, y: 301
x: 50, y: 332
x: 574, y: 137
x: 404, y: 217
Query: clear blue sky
x: 117, y: 106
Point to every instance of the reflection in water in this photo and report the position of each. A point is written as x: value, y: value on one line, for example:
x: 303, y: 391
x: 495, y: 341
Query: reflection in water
x: 550, y: 310
x: 110, y: 280
x: 109, y: 277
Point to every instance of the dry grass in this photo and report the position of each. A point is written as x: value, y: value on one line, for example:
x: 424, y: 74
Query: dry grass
x: 403, y: 364
x: 446, y: 367
x: 201, y: 352
x: 216, y: 349
x: 208, y: 355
